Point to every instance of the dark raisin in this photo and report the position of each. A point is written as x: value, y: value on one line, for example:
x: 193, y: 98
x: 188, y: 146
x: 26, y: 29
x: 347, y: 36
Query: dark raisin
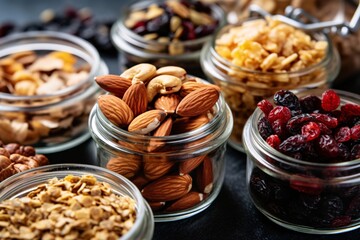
x: 264, y: 127
x: 295, y: 123
x: 259, y: 185
x: 310, y: 131
x: 310, y: 104
x: 287, y: 99
x: 265, y: 106
x: 343, y: 154
x: 310, y: 201
x: 324, y: 129
x: 292, y: 144
x: 279, y: 192
x: 353, y: 209
x: 331, y: 206
x: 355, y: 152
x: 327, y: 146
x: 330, y: 100
x: 342, y: 134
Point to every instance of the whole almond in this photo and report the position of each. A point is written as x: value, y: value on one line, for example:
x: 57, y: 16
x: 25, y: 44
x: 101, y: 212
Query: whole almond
x: 147, y: 121
x: 140, y: 181
x: 204, y: 176
x: 187, y: 165
x: 156, y: 166
x: 190, y: 86
x: 185, y: 202
x: 126, y: 165
x: 198, y: 102
x: 156, y: 206
x: 168, y: 103
x: 163, y: 130
x: 187, y: 124
x: 114, y: 84
x: 136, y: 98
x: 167, y: 188
x: 115, y: 110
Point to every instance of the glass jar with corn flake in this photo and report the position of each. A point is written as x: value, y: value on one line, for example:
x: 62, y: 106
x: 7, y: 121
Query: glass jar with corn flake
x: 165, y: 32
x: 250, y: 61
x: 74, y: 201
x: 47, y: 89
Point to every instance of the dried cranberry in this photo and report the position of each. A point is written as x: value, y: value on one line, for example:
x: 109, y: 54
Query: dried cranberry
x: 264, y: 127
x: 310, y: 104
x: 324, y: 129
x: 330, y: 122
x: 295, y: 123
x: 274, y: 141
x: 343, y: 154
x: 327, y: 146
x: 265, y: 106
x: 331, y: 206
x: 279, y: 128
x: 310, y: 131
x: 306, y: 184
x: 189, y: 30
x: 355, y: 152
x: 330, y: 100
x: 288, y: 99
x: 340, y: 221
x: 292, y: 144
x: 279, y: 112
x: 350, y: 110
x: 140, y: 28
x: 355, y: 132
x: 343, y: 134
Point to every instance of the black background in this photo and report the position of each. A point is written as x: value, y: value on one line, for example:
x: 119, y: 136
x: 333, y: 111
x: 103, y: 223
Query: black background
x: 232, y: 215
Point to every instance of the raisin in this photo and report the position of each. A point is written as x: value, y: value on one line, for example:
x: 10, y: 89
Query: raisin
x: 327, y: 146
x: 355, y: 152
x: 310, y: 131
x: 355, y: 132
x: 279, y: 112
x: 288, y: 99
x: 343, y: 134
x: 340, y: 221
x: 264, y: 128
x: 330, y: 122
x: 295, y: 123
x: 330, y: 100
x: 279, y: 192
x: 331, y: 206
x: 259, y: 185
x: 265, y: 106
x: 292, y: 144
x: 310, y: 104
x: 274, y: 141
x: 343, y: 154
x: 310, y: 201
x: 324, y: 129
x: 353, y: 209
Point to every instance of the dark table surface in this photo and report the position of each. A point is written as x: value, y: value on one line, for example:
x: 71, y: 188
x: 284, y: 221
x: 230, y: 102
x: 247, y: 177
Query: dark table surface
x: 232, y: 215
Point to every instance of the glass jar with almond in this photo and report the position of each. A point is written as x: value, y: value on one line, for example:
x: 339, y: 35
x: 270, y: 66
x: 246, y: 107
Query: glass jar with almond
x: 251, y: 60
x: 165, y: 32
x: 47, y: 89
x: 166, y: 131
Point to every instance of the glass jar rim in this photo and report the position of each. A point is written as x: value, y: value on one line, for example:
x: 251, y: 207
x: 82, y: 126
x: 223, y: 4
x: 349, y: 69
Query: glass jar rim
x: 331, y: 51
x: 92, y: 55
x: 71, y: 167
x: 252, y: 129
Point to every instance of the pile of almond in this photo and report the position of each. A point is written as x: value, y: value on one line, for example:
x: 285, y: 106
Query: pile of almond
x: 148, y: 101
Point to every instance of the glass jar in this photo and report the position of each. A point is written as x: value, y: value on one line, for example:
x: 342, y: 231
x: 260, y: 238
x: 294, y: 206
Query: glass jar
x: 134, y: 49
x: 21, y: 184
x: 244, y: 88
x: 310, y: 197
x: 57, y: 120
x: 203, y: 148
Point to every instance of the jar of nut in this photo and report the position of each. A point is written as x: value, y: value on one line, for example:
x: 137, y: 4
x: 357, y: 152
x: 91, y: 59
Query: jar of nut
x: 304, y: 175
x: 250, y: 61
x: 47, y: 89
x: 73, y: 201
x: 166, y: 131
x: 165, y: 32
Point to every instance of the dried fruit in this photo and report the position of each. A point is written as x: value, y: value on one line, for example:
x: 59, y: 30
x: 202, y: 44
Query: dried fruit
x: 330, y: 100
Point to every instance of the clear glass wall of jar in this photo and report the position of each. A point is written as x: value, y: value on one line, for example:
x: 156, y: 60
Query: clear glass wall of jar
x: 20, y: 185
x: 244, y: 88
x: 310, y: 197
x: 206, y: 143
x: 134, y: 49
x: 57, y: 120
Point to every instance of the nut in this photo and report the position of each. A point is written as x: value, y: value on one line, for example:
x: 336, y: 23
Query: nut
x: 156, y: 166
x: 187, y: 124
x: 178, y: 8
x: 198, y: 102
x: 142, y: 72
x: 114, y: 84
x: 136, y: 98
x: 126, y: 165
x: 163, y: 84
x: 168, y: 103
x: 187, y: 165
x: 163, y: 130
x: 204, y: 176
x: 156, y: 206
x: 172, y: 70
x: 147, y: 121
x: 189, y: 200
x: 115, y: 110
x: 189, y: 86
x: 167, y: 188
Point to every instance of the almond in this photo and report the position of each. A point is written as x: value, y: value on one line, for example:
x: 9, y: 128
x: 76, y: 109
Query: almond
x: 163, y: 130
x: 187, y: 165
x: 156, y: 206
x: 168, y: 103
x: 126, y: 165
x: 114, y: 84
x: 185, y: 202
x: 115, y: 110
x: 156, y: 166
x: 136, y: 98
x: 167, y: 188
x: 147, y: 121
x: 140, y: 181
x: 187, y: 124
x: 198, y: 102
x: 190, y: 86
x: 204, y: 176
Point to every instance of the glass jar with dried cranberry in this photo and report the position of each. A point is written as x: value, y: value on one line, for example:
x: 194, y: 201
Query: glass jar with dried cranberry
x: 303, y: 160
x: 165, y: 32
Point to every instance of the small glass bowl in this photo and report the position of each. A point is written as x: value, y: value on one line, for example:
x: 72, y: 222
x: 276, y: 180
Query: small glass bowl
x: 21, y: 184
x: 57, y: 120
x: 129, y: 152
x: 309, y: 197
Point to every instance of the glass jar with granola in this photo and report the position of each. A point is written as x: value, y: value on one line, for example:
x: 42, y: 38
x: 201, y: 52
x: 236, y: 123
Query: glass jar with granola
x: 165, y: 32
x: 251, y: 60
x: 47, y: 89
